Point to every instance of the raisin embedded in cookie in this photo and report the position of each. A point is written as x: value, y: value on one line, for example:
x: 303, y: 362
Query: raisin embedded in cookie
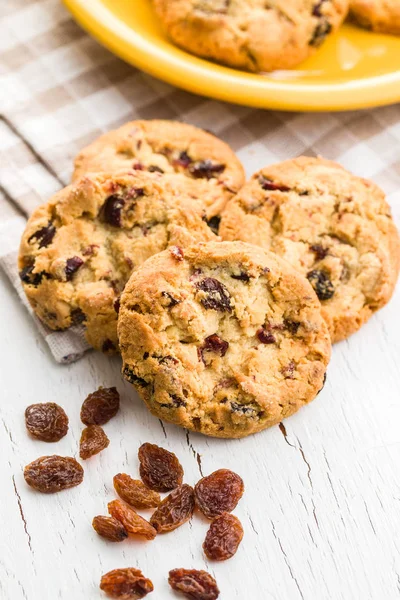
x: 167, y: 147
x: 227, y: 341
x: 379, y: 15
x: 332, y: 226
x: 251, y: 34
x: 79, y: 249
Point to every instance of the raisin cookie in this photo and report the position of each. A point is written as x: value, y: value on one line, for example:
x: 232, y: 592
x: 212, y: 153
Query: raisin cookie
x: 332, y: 226
x: 167, y: 147
x: 251, y: 34
x: 223, y: 337
x: 379, y: 15
x: 79, y: 249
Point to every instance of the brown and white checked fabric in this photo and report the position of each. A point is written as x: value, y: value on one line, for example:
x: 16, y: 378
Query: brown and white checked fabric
x: 59, y: 89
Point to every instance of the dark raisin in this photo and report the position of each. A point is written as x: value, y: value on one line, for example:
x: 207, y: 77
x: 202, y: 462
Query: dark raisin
x: 223, y: 537
x: 174, y: 510
x: 288, y: 371
x: 112, y: 210
x: 321, y: 284
x: 165, y: 360
x: 90, y: 250
x: 47, y: 422
x: 323, y: 29
x: 44, y: 236
x: 109, y: 528
x: 50, y: 474
x: 155, y: 169
x: 126, y: 584
x: 133, y: 523
x: 316, y: 11
x: 77, y: 316
x: 213, y: 343
x: 117, y: 304
x: 242, y: 276
x: 172, y: 301
x: 183, y: 160
x: 291, y: 326
x: 177, y: 253
x: 27, y: 276
x: 108, y: 347
x: 132, y: 378
x: 268, y: 184
x: 93, y: 440
x: 206, y: 169
x: 219, y: 492
x: 135, y: 493
x: 73, y: 264
x: 176, y: 402
x: 243, y: 409
x: 214, y: 223
x: 100, y: 406
x: 138, y: 166
x: 217, y: 296
x: 160, y: 470
x: 319, y: 251
x: 196, y: 585
x: 265, y: 336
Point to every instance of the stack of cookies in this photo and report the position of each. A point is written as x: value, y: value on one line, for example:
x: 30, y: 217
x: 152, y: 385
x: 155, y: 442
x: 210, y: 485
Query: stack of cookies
x: 222, y: 296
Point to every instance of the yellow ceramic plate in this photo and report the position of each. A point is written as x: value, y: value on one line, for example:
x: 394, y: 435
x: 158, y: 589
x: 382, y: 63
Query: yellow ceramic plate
x: 354, y: 69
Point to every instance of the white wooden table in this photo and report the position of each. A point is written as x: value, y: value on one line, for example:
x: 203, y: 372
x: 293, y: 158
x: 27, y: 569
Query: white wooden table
x: 321, y: 511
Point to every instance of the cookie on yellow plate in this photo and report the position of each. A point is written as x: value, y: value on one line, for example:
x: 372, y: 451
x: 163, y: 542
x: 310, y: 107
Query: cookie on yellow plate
x: 379, y: 15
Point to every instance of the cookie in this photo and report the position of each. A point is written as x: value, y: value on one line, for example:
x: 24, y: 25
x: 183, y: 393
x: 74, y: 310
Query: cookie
x: 79, y: 249
x: 251, y: 34
x: 223, y: 338
x: 167, y: 147
x: 379, y: 15
x: 333, y: 227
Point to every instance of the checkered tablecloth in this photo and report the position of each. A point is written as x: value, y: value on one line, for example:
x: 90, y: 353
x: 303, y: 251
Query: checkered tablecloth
x: 59, y: 89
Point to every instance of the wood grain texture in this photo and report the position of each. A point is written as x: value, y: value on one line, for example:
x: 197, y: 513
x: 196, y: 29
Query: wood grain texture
x: 322, y: 501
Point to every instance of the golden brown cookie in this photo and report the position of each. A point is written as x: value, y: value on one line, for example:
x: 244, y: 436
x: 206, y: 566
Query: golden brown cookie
x: 167, y: 147
x: 332, y: 226
x: 79, y: 249
x: 223, y: 337
x: 251, y: 34
x: 379, y: 15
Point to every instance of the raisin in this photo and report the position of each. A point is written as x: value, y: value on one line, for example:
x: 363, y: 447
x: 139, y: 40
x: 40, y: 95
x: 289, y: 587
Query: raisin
x: 323, y: 29
x: 219, y: 492
x: 50, y: 474
x: 183, y: 160
x: 206, y: 169
x: 117, y: 304
x: 265, y: 336
x: 174, y: 510
x: 242, y: 276
x: 213, y: 343
x: 176, y: 402
x: 217, y: 296
x: 133, y: 523
x: 155, y: 169
x: 321, y: 283
x: 112, y: 210
x: 100, y: 406
x: 160, y: 470
x: 44, y: 236
x: 135, y: 493
x: 77, y: 316
x: 223, y: 537
x: 27, y: 276
x: 93, y: 440
x: 134, y: 379
x: 197, y: 585
x: 291, y: 326
x: 126, y: 584
x: 109, y: 528
x: 319, y: 251
x: 268, y: 184
x: 47, y: 422
x: 172, y: 301
x: 214, y: 223
x: 177, y: 253
x: 288, y: 371
x: 108, y: 347
x: 316, y: 11
x: 243, y: 409
x: 73, y: 264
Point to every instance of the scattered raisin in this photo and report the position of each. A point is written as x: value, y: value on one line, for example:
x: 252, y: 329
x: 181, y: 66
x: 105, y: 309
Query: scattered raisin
x: 44, y: 236
x: 133, y: 523
x: 155, y: 169
x: 291, y: 326
x: 323, y: 29
x: 214, y: 223
x: 160, y: 470
x: 135, y: 493
x: 217, y: 296
x: 100, y: 406
x: 288, y: 371
x: 93, y: 440
x: 47, y: 422
x: 109, y: 528
x: 126, y: 584
x: 219, y: 492
x: 117, y: 304
x: 223, y: 537
x: 319, y: 251
x: 183, y: 160
x: 174, y: 510
x: 73, y: 264
x: 134, y: 379
x: 265, y: 336
x: 213, y: 343
x: 244, y: 409
x: 177, y: 253
x: 172, y: 301
x: 321, y: 283
x: 50, y: 474
x: 108, y: 347
x: 27, y: 276
x: 241, y: 277
x: 206, y: 169
x: 112, y: 210
x: 268, y: 184
x: 77, y: 316
x: 197, y: 585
